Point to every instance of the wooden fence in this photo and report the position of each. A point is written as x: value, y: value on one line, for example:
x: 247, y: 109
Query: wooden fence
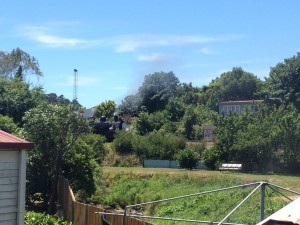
x: 84, y: 214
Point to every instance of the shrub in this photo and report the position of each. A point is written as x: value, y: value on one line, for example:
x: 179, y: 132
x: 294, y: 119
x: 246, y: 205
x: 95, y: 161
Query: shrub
x: 33, y: 218
x: 211, y: 158
x: 158, y: 145
x: 123, y: 142
x: 97, y: 143
x: 188, y: 158
x: 7, y: 124
x: 79, y: 167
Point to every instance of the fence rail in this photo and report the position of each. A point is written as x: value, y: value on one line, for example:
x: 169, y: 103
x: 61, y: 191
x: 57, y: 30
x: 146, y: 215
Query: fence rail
x: 84, y: 214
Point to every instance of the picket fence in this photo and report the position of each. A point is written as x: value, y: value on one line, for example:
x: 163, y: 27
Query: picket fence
x: 84, y: 214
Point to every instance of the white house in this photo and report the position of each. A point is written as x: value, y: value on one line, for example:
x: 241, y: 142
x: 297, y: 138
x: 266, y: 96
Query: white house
x: 238, y: 106
x: 12, y: 178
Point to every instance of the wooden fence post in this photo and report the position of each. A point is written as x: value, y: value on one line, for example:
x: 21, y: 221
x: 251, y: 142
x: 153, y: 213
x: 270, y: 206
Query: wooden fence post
x: 83, y: 214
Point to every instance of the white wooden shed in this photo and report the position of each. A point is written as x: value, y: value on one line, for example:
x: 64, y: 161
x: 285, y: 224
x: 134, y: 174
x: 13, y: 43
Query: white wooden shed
x: 12, y: 178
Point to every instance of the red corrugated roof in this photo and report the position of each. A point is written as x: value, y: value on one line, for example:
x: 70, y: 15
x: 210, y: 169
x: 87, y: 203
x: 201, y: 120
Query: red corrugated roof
x: 8, y: 141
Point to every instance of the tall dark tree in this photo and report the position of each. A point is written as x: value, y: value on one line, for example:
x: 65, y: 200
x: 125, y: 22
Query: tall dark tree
x: 129, y: 105
x: 156, y: 90
x: 61, y: 100
x: 188, y: 93
x: 284, y: 80
x: 54, y: 129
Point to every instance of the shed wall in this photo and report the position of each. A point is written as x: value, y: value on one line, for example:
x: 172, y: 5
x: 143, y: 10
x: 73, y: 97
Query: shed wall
x: 9, y: 177
x: 160, y: 163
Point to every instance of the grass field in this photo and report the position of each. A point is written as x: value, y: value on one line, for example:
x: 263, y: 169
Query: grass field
x: 126, y: 186
x: 288, y: 181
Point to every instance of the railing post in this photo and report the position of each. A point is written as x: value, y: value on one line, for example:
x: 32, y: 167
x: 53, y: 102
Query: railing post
x: 262, y: 201
x: 124, y: 216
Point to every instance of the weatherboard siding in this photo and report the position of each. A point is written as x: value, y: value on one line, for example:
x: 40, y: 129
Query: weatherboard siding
x: 9, y: 186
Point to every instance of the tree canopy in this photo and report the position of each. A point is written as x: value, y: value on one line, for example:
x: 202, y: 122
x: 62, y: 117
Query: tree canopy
x: 236, y: 85
x: 16, y: 98
x: 106, y: 109
x: 156, y: 89
x: 284, y: 80
x: 18, y: 63
x: 54, y: 129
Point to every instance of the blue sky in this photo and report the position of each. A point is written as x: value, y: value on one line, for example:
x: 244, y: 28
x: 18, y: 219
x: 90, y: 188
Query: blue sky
x: 114, y: 44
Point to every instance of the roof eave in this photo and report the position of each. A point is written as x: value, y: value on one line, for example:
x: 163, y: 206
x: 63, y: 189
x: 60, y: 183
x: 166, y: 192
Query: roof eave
x: 15, y: 146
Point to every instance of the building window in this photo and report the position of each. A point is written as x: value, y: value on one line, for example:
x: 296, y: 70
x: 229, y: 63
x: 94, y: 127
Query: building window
x: 231, y: 108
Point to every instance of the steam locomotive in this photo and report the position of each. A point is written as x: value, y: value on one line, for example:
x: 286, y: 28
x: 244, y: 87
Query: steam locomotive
x: 106, y: 128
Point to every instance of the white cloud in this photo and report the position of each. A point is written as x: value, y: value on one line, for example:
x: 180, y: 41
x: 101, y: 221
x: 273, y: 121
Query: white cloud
x: 52, y: 36
x: 152, y: 57
x: 133, y: 42
x: 58, y: 41
x: 208, y: 51
x: 40, y: 34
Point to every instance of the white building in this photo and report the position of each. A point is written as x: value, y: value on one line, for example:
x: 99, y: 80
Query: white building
x: 238, y: 106
x: 12, y: 178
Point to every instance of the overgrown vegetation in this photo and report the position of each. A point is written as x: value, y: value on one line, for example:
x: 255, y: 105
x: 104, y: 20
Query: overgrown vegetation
x: 133, y: 186
x: 34, y: 218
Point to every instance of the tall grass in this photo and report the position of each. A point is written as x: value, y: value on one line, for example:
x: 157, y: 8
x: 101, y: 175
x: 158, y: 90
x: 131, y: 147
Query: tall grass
x: 127, y: 186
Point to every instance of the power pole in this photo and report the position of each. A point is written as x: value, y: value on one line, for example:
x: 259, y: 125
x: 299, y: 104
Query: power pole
x: 75, y: 84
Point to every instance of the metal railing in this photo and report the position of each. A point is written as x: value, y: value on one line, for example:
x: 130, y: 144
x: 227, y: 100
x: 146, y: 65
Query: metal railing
x: 257, y: 186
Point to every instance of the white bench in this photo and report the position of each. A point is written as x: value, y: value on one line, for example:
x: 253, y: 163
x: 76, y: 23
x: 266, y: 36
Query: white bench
x: 230, y: 166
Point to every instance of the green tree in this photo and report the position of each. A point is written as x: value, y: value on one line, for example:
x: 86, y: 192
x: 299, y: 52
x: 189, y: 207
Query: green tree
x: 226, y: 128
x: 18, y: 64
x: 288, y: 120
x: 96, y: 142
x: 54, y: 99
x: 79, y: 164
x: 16, y: 98
x: 7, y: 124
x: 156, y: 89
x: 147, y: 122
x: 257, y: 142
x: 194, y: 119
x: 175, y: 109
x: 190, y: 119
x: 189, y: 94
x: 129, y: 105
x: 54, y: 129
x: 284, y: 81
x: 188, y: 158
x: 106, y: 109
x: 233, y: 85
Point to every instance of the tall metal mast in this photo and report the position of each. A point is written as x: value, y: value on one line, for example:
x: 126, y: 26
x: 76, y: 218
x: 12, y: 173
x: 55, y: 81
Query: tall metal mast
x: 75, y: 84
